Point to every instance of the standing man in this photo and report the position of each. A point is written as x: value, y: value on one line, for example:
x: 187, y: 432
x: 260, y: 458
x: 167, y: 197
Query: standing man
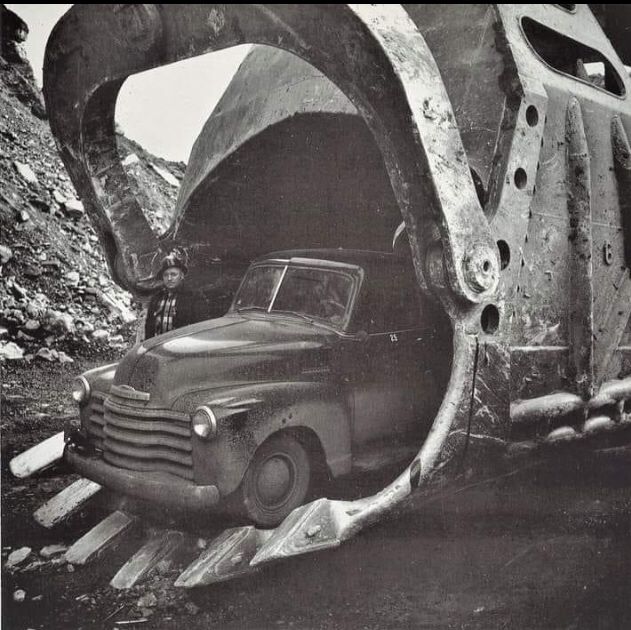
x: 173, y: 306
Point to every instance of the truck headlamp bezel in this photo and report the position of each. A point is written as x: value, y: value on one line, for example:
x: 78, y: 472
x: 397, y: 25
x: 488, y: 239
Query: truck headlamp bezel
x: 204, y: 423
x: 81, y: 390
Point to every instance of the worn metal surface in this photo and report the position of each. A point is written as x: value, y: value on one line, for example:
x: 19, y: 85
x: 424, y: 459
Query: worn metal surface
x: 66, y: 503
x: 38, y: 457
x: 508, y: 164
x: 228, y: 556
x: 161, y: 546
x: 100, y: 538
x: 581, y: 298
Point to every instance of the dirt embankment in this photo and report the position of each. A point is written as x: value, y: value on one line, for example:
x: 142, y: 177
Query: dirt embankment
x: 57, y: 300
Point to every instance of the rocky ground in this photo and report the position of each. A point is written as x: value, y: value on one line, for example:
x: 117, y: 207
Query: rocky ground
x: 57, y: 300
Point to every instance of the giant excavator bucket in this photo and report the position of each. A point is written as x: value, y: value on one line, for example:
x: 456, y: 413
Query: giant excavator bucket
x: 483, y: 132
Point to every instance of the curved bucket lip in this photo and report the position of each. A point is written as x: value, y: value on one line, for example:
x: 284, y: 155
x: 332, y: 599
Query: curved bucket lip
x: 373, y: 53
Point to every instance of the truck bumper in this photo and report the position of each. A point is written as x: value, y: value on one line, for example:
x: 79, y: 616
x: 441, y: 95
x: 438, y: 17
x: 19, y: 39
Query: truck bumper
x: 159, y: 488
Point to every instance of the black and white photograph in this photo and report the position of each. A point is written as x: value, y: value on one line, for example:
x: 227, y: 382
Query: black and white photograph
x: 315, y: 316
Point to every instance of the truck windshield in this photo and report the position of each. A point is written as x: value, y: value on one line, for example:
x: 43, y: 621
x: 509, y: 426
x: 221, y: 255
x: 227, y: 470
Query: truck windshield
x: 319, y: 294
x: 258, y: 287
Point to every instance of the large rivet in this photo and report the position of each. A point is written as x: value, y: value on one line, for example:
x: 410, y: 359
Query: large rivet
x: 313, y: 531
x: 480, y: 269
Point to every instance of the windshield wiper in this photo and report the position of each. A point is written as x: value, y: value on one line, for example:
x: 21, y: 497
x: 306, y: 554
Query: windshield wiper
x: 253, y: 307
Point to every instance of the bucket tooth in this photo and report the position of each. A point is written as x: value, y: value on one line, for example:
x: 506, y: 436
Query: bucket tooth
x: 100, y: 538
x: 66, y: 503
x: 161, y: 545
x: 228, y: 556
x: 312, y: 527
x: 38, y: 457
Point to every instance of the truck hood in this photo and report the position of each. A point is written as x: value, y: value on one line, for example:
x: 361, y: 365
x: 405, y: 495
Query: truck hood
x: 232, y: 350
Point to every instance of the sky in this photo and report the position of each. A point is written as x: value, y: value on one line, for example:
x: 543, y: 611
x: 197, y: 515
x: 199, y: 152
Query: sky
x: 162, y: 109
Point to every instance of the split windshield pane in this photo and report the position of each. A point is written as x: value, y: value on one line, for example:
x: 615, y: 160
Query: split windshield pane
x: 258, y: 287
x: 315, y: 293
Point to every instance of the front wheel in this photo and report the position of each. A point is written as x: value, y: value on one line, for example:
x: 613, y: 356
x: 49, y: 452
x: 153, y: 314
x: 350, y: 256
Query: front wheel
x: 276, y: 481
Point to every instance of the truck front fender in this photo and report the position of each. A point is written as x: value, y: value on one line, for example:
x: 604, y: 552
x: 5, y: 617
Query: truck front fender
x: 249, y: 416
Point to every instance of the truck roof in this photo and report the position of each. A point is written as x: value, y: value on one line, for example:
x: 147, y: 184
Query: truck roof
x: 359, y: 257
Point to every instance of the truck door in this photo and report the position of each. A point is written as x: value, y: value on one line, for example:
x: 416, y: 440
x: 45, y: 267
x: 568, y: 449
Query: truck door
x: 391, y: 378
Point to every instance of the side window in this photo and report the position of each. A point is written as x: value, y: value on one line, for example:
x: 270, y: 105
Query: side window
x: 393, y: 306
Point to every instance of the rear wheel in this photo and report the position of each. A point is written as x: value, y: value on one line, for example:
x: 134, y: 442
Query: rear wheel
x: 276, y: 481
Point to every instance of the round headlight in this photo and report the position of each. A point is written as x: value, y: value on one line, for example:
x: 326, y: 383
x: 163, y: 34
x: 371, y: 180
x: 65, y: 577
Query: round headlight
x: 81, y: 390
x: 204, y: 423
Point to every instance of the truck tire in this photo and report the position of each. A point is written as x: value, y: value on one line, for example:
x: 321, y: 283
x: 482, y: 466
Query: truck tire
x: 276, y: 481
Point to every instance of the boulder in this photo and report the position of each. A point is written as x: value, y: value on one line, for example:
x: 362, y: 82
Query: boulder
x: 19, y: 292
x: 62, y: 357
x: 33, y: 271
x: 17, y: 557
x: 32, y: 325
x: 5, y: 254
x: 10, y: 351
x: 132, y: 158
x: 25, y: 172
x: 148, y: 600
x: 52, y: 550
x: 47, y: 354
x: 73, y: 208
x: 168, y: 177
x: 59, y: 197
x: 73, y: 278
x: 59, y: 322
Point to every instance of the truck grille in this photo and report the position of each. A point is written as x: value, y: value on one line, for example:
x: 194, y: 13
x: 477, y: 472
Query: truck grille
x: 136, y: 437
x: 96, y: 420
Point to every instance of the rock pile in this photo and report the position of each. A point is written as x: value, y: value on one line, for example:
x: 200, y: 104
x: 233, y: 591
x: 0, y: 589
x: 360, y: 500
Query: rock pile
x: 17, y: 71
x: 57, y: 299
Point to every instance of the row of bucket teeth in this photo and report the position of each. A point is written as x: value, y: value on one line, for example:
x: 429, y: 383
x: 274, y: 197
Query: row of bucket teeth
x: 234, y: 553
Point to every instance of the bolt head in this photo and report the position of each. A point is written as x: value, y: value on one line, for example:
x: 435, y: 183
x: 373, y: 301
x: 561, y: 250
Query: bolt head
x: 313, y: 531
x: 481, y: 269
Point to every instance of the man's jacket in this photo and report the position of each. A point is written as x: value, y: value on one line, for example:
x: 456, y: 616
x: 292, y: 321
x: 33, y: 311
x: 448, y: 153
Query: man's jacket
x: 188, y: 310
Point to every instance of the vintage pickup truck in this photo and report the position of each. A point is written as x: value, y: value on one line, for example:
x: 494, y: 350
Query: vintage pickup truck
x: 326, y: 361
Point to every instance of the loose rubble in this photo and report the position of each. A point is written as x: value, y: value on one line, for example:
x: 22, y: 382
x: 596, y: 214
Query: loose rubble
x: 52, y: 550
x: 17, y: 557
x: 57, y: 299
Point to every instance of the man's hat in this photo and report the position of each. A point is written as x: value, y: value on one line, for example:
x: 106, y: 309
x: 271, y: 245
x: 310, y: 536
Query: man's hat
x: 174, y: 259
